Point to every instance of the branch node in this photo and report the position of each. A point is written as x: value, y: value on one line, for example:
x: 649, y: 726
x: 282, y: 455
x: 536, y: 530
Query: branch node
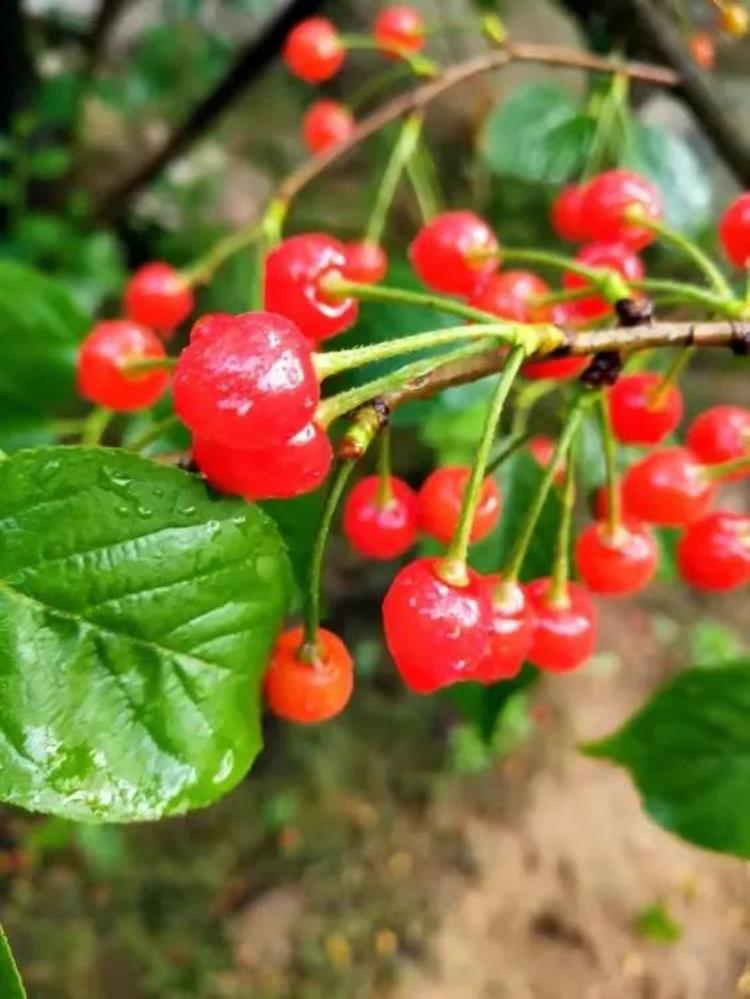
x: 634, y: 311
x: 739, y: 343
x: 603, y: 370
x: 367, y: 422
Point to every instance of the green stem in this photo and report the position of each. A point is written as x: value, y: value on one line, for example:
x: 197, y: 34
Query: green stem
x: 684, y: 292
x: 66, y: 428
x: 142, y: 441
x: 96, y: 424
x: 527, y: 397
x: 609, y: 445
x: 558, y: 591
x: 419, y: 65
x: 271, y: 227
x: 691, y: 250
x: 205, y: 267
x: 557, y: 261
x: 400, y: 156
x: 385, y: 488
x: 421, y: 176
x: 717, y: 473
x: 677, y: 365
x: 513, y: 444
x: 376, y: 85
x: 336, y: 285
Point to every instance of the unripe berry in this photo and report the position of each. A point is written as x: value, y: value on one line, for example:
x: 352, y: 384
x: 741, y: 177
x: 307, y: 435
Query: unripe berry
x: 734, y: 230
x: 567, y: 218
x: 326, y: 123
x: 366, y: 262
x: 667, y: 487
x: 102, y: 361
x: 510, y: 632
x: 606, y: 202
x: 158, y: 296
x: 313, y: 50
x: 399, y: 29
x: 309, y: 692
x: 379, y: 526
x: 619, y: 564
x: 642, y: 412
x: 440, y: 500
x: 510, y: 295
x: 721, y: 434
x: 454, y: 252
x: 615, y: 257
x: 564, y: 630
x: 714, y: 552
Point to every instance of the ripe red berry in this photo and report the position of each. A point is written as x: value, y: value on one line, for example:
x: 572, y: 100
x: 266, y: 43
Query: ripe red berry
x: 210, y: 324
x: 567, y: 218
x: 510, y: 632
x: 511, y: 294
x: 616, y: 257
x: 366, y: 262
x: 102, y: 358
x: 541, y: 449
x: 288, y: 468
x: 309, y: 692
x: 292, y: 287
x: 158, y: 296
x: 616, y: 565
x: 436, y: 633
x: 606, y: 202
x: 734, y: 230
x: 559, y: 368
x: 399, y: 29
x: 703, y: 49
x: 667, y: 487
x: 313, y: 50
x: 440, y: 500
x: 720, y: 434
x: 326, y: 123
x: 250, y: 383
x: 563, y: 633
x: 640, y: 411
x: 454, y: 252
x: 381, y: 527
x: 714, y: 552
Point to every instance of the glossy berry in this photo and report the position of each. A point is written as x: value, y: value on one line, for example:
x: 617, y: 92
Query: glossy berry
x: 309, y: 692
x: 209, y: 324
x: 292, y: 285
x: 454, y: 252
x: 640, y: 411
x: 250, y: 384
x: 703, y: 49
x: 541, y: 449
x: 366, y: 262
x: 567, y: 218
x: 326, y: 123
x: 734, y: 230
x: 288, y: 468
x: 714, y: 552
x: 667, y: 487
x: 721, y: 434
x: 379, y: 526
x: 605, y: 204
x: 563, y: 633
x: 619, y: 564
x: 559, y: 369
x: 734, y: 20
x: 440, y: 500
x: 399, y: 29
x: 436, y: 633
x: 313, y: 50
x: 102, y: 357
x: 158, y: 296
x: 510, y: 632
x: 511, y: 295
x: 616, y: 257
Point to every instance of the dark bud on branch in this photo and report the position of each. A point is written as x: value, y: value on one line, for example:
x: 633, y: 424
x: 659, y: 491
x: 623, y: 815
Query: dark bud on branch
x: 634, y: 311
x: 604, y: 369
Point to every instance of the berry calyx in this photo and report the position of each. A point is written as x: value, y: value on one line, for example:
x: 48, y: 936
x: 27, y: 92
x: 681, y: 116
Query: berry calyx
x: 608, y: 203
x: 313, y: 50
x: 250, y: 382
x: 568, y: 220
x: 721, y: 434
x: 381, y: 522
x: 734, y: 230
x: 288, y: 468
x: 616, y: 257
x: 563, y: 631
x: 440, y: 500
x: 541, y: 449
x: 294, y: 285
x: 454, y: 252
x: 643, y: 411
x: 366, y: 262
x: 436, y: 633
x: 511, y: 294
x: 714, y: 552
x: 158, y: 296
x: 667, y: 487
x: 103, y: 357
x: 399, y: 29
x: 326, y: 123
x: 510, y: 632
x: 311, y: 690
x: 619, y: 563
x: 703, y: 49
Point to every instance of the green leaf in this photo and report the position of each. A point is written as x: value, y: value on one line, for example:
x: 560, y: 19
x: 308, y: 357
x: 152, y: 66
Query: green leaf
x: 688, y: 751
x: 11, y: 986
x: 47, y: 164
x: 137, y: 612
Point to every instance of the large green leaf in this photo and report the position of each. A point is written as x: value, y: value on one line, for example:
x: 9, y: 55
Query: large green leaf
x: 688, y: 751
x: 11, y: 986
x: 137, y: 612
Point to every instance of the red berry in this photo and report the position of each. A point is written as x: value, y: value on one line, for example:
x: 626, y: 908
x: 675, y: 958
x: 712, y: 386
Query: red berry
x: 294, y: 272
x: 288, y: 468
x: 440, y: 500
x: 210, y: 324
x: 616, y: 565
x: 703, y: 49
x: 309, y: 692
x: 249, y: 384
x: 640, y: 412
x: 667, y: 487
x: 376, y: 528
x: 714, y: 552
x: 510, y: 632
x: 454, y: 252
x: 158, y: 296
x: 436, y: 633
x: 734, y: 230
x: 313, y: 50
x: 541, y: 449
x: 366, y: 262
x: 560, y: 368
x: 511, y: 295
x: 605, y: 204
x: 721, y: 434
x: 567, y: 219
x: 616, y: 257
x: 563, y: 633
x: 103, y: 355
x: 399, y: 29
x: 325, y: 124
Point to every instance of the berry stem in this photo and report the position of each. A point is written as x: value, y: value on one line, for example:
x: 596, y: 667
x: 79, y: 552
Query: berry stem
x: 376, y: 85
x: 135, y: 366
x: 385, y: 489
x: 453, y: 566
x: 419, y: 65
x: 558, y: 591
x: 95, y: 426
x: 597, y: 276
x: 724, y: 469
x: 677, y: 365
x: 683, y: 292
x: 422, y: 176
x: 609, y: 446
x: 401, y: 153
x: 205, y: 267
x: 512, y: 444
x: 141, y: 441
x: 690, y: 250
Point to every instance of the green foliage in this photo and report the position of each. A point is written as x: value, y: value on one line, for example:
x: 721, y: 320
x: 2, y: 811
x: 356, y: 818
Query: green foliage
x: 711, y: 642
x: 137, y: 613
x: 656, y: 924
x: 11, y: 986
